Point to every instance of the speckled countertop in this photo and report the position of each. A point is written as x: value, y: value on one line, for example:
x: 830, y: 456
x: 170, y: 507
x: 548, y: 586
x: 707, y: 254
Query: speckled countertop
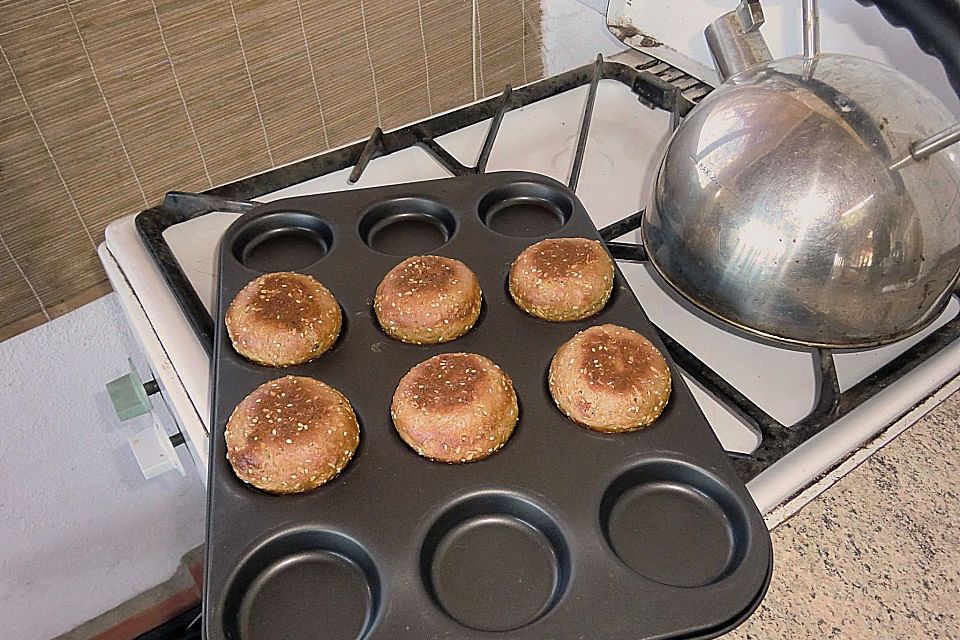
x: 878, y: 554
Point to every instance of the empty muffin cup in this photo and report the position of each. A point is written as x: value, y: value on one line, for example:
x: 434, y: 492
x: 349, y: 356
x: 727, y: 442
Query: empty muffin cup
x: 525, y: 209
x: 282, y: 241
x: 303, y: 585
x: 407, y: 226
x: 671, y: 522
x: 495, y: 562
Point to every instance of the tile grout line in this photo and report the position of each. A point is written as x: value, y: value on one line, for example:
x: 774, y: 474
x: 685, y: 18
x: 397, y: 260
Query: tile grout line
x: 25, y: 278
x: 523, y: 37
x: 483, y: 91
x: 473, y: 36
x: 313, y: 75
x: 106, y: 103
x: 46, y: 146
x: 426, y: 63
x: 253, y: 89
x: 373, y: 72
x: 183, y: 100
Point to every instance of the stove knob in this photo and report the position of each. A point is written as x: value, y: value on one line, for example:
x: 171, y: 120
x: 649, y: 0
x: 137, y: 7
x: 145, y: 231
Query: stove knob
x: 152, y: 447
x: 130, y: 395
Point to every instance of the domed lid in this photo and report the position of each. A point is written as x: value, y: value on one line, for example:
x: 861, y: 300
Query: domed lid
x: 776, y: 207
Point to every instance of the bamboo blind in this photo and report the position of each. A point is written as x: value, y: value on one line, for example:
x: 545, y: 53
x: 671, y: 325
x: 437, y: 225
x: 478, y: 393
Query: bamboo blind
x: 105, y: 105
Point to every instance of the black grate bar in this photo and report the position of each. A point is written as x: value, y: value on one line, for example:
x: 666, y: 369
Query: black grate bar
x: 676, y: 106
x: 625, y: 225
x: 775, y: 444
x: 738, y: 404
x: 441, y: 155
x: 371, y: 150
x: 585, y: 123
x: 828, y: 384
x: 494, y: 129
x: 627, y: 251
x: 190, y: 205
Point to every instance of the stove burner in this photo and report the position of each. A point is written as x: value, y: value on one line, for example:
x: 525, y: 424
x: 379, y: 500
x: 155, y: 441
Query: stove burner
x: 657, y: 85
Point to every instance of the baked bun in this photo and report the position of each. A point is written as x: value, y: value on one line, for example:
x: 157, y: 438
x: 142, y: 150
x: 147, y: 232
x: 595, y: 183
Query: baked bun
x: 291, y: 435
x: 455, y: 407
x: 281, y: 319
x: 611, y: 379
x: 562, y: 279
x: 428, y: 299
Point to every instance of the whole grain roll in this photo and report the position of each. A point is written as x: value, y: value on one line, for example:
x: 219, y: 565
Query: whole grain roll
x: 282, y: 319
x: 427, y: 300
x: 291, y: 435
x: 455, y: 407
x: 610, y: 379
x: 562, y: 279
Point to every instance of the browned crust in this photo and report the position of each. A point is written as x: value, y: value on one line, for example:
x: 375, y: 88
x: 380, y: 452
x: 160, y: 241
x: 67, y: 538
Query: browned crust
x: 428, y: 300
x: 291, y: 435
x: 611, y: 379
x: 455, y: 407
x: 562, y: 279
x: 282, y: 319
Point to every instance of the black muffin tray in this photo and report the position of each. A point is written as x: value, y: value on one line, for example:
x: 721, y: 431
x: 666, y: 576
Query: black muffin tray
x: 563, y: 533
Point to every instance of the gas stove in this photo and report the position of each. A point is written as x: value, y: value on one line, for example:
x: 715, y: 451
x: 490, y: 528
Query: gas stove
x: 793, y: 420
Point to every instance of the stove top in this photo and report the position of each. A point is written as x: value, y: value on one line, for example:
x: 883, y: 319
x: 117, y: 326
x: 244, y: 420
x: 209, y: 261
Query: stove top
x: 786, y: 415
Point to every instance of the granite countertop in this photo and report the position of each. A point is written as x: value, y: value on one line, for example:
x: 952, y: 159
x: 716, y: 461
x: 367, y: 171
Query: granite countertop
x: 878, y: 554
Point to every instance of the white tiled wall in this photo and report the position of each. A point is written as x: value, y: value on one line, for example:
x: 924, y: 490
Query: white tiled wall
x: 574, y: 32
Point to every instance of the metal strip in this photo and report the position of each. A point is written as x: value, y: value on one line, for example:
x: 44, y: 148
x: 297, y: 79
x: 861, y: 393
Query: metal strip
x: 494, y: 129
x: 585, y: 123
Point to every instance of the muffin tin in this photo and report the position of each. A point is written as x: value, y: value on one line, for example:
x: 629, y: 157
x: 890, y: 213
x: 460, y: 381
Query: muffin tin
x: 563, y: 533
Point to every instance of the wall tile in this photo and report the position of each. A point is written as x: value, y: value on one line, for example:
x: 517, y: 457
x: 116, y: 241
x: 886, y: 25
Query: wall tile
x: 124, y: 43
x: 399, y: 60
x: 48, y: 59
x: 532, y: 42
x: 447, y: 25
x: 335, y: 33
x: 16, y: 13
x: 37, y: 221
x: 501, y: 29
x: 203, y: 44
x: 273, y: 39
x: 18, y: 300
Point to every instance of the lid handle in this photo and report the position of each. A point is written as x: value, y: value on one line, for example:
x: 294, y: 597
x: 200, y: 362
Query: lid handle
x: 811, y: 29
x: 735, y: 41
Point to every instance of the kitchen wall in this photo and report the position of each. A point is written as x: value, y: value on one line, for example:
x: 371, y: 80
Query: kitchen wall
x: 574, y: 32
x: 107, y: 104
x: 81, y: 529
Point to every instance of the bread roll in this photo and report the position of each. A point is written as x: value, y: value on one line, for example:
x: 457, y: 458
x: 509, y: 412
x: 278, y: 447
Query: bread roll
x: 291, y: 435
x: 282, y: 319
x: 428, y: 300
x: 610, y: 379
x: 562, y: 279
x: 455, y: 407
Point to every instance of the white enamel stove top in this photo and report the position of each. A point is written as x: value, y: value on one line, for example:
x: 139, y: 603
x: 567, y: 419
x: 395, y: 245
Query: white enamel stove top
x: 625, y: 143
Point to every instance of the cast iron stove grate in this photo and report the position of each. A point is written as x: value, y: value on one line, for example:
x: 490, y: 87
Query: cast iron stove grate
x: 658, y: 85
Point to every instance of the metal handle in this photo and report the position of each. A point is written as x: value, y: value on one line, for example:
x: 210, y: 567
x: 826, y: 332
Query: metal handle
x: 811, y: 29
x: 925, y: 148
x: 735, y: 41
